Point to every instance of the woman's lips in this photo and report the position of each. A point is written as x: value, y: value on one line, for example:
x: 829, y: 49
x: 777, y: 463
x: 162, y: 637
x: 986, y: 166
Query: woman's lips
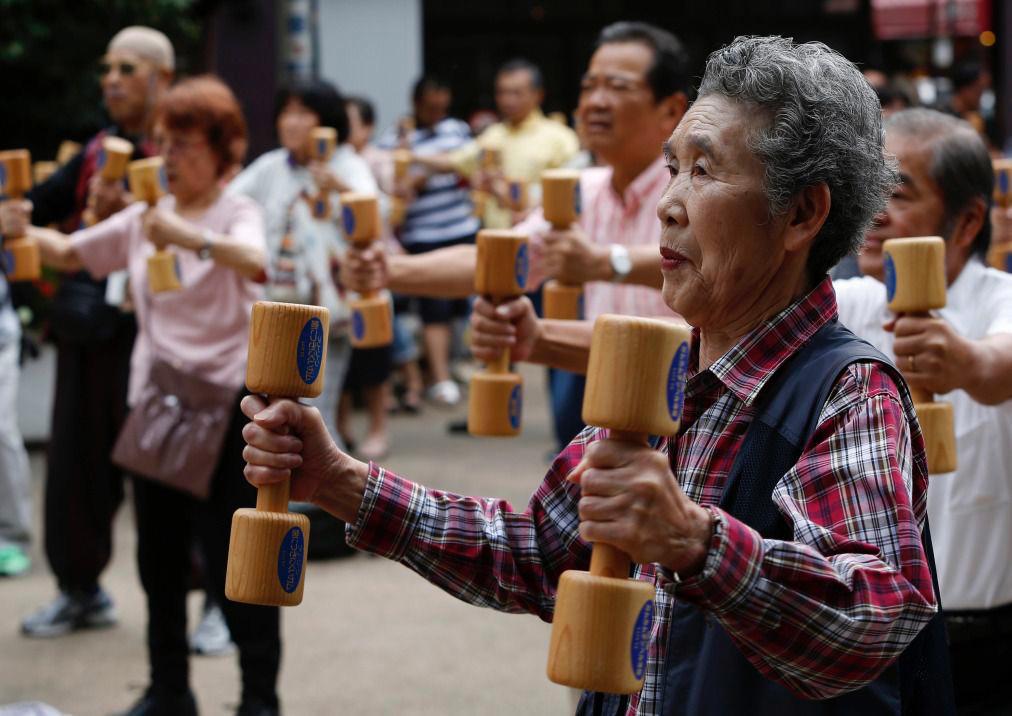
x: 671, y: 259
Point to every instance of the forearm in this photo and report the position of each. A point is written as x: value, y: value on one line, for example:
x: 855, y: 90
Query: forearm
x: 989, y: 378
x: 562, y: 344
x: 246, y: 260
x: 55, y: 249
x: 445, y: 273
x: 340, y: 493
x: 438, y: 163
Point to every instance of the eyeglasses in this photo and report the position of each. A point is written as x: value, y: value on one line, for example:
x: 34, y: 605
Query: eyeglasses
x: 612, y: 84
x: 177, y: 145
x: 124, y: 68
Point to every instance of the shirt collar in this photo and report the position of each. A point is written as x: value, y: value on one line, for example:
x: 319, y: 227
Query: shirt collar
x: 644, y: 187
x: 535, y: 117
x: 753, y: 360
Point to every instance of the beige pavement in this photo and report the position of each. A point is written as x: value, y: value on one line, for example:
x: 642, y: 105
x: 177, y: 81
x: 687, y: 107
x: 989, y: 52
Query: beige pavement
x: 370, y: 637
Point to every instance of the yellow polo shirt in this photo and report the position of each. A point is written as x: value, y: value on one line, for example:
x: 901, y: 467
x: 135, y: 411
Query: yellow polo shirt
x: 536, y: 144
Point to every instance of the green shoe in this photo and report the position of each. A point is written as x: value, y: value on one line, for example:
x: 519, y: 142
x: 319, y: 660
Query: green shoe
x: 13, y: 561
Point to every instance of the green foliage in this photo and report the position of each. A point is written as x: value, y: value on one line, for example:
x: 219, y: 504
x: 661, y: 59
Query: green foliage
x: 49, y: 53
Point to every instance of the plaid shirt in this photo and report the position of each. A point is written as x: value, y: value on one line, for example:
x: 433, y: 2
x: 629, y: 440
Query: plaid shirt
x: 823, y: 614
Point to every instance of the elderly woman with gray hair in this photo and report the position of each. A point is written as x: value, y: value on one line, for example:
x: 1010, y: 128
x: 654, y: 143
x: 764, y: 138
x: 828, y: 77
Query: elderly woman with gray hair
x: 782, y: 524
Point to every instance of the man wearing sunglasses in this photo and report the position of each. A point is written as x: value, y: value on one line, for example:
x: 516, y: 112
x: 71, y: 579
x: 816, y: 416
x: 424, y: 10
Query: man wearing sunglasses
x: 94, y: 340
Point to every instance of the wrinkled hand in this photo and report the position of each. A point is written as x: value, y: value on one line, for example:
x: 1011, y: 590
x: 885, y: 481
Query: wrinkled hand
x: 325, y: 179
x: 15, y: 217
x: 165, y: 228
x: 511, y: 325
x: 105, y: 198
x: 630, y: 500
x: 930, y: 354
x: 364, y: 269
x: 572, y: 259
x: 287, y: 440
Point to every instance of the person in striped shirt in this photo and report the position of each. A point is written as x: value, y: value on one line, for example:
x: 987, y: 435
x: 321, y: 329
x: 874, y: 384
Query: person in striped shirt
x: 775, y: 173
x: 440, y: 215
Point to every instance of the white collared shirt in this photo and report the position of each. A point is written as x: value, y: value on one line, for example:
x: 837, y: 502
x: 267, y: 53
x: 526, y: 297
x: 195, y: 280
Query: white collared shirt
x: 970, y: 510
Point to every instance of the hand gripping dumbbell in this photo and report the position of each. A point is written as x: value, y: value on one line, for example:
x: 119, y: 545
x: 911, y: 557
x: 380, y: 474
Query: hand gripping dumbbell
x: 372, y: 321
x: 999, y: 255
x: 603, y: 620
x: 113, y: 159
x: 915, y: 284
x: 148, y: 184
x: 322, y: 143
x: 495, y: 395
x: 560, y: 201
x: 21, y: 253
x: 267, y: 547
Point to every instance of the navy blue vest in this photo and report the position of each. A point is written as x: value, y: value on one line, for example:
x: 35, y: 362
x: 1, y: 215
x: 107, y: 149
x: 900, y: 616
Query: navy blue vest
x: 704, y: 673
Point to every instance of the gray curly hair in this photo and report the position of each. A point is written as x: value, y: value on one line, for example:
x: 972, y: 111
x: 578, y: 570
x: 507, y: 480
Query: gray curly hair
x: 824, y: 125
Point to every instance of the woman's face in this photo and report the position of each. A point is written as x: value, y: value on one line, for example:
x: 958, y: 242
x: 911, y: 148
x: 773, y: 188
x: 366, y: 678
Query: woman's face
x: 295, y: 123
x: 720, y: 248
x: 191, y: 166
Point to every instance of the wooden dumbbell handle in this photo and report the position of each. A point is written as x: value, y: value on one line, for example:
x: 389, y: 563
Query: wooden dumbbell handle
x: 274, y: 497
x: 919, y: 394
x: 605, y: 559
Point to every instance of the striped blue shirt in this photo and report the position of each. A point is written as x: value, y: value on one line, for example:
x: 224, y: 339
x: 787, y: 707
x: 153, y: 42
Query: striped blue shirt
x: 442, y: 210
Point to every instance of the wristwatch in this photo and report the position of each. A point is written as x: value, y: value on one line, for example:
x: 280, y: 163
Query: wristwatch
x: 204, y: 252
x: 621, y: 264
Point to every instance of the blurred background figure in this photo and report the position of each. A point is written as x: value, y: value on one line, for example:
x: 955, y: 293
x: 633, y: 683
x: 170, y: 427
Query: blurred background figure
x: 94, y: 329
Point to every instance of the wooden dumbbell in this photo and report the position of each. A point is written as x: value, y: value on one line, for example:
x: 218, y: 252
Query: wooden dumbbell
x: 402, y: 165
x: 267, y: 546
x: 560, y: 200
x: 41, y: 171
x: 148, y: 184
x: 113, y: 159
x: 915, y: 284
x: 68, y: 150
x: 371, y: 313
x: 999, y: 254
x: 603, y: 620
x: 495, y: 396
x: 322, y: 143
x: 490, y: 162
x: 24, y: 262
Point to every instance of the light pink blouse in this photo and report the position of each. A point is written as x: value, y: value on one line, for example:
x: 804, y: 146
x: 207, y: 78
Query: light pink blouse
x: 203, y: 328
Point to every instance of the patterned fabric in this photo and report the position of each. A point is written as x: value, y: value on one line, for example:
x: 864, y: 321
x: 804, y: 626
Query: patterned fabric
x: 442, y: 210
x: 822, y: 614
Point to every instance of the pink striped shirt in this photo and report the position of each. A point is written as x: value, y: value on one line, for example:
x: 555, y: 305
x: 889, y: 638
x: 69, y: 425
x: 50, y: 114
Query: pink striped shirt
x: 607, y: 218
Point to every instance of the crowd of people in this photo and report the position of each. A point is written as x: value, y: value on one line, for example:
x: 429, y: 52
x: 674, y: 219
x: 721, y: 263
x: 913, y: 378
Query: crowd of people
x: 758, y: 186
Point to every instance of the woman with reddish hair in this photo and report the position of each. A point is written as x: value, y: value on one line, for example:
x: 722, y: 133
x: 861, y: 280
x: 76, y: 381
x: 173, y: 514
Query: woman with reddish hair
x: 195, y: 336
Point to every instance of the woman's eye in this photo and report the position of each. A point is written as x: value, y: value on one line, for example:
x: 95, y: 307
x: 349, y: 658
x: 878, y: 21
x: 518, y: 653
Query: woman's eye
x: 698, y: 170
x: 672, y: 170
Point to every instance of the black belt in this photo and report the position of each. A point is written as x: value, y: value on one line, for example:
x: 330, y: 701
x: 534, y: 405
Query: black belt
x: 979, y: 624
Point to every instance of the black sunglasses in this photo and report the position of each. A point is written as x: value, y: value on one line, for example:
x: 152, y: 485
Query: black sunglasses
x: 125, y: 68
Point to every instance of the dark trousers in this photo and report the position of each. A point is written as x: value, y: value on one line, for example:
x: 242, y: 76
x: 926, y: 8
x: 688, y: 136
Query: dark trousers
x: 83, y: 487
x: 567, y: 404
x: 980, y: 649
x: 167, y: 523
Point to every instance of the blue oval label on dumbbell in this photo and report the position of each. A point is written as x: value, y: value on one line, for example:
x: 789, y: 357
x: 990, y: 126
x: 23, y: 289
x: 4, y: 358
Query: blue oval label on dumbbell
x: 163, y: 179
x: 521, y: 265
x: 357, y: 325
x: 290, y: 554
x: 100, y: 160
x: 515, y: 192
x: 640, y: 646
x: 175, y: 267
x: 516, y: 406
x: 321, y: 148
x: 889, y: 268
x: 577, y: 200
x: 579, y: 306
x: 319, y: 208
x: 309, y: 353
x: 3, y: 178
x: 676, y: 381
x: 1008, y: 262
x: 348, y: 217
x: 9, y: 261
x: 1003, y: 181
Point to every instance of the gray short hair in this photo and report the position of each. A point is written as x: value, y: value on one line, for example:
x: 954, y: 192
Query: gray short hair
x: 824, y: 125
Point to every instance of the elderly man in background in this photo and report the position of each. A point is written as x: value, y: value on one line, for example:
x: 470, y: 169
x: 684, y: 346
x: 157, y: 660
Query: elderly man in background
x: 790, y: 574
x: 94, y: 341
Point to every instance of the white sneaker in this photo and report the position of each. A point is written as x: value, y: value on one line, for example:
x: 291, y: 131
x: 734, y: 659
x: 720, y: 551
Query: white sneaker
x: 212, y: 637
x: 445, y: 392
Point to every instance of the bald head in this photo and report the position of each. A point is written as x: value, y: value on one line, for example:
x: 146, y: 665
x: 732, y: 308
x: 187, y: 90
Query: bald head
x: 147, y: 43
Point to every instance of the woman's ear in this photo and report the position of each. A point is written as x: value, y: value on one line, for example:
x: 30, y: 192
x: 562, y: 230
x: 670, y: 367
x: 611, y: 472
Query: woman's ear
x: 806, y: 216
